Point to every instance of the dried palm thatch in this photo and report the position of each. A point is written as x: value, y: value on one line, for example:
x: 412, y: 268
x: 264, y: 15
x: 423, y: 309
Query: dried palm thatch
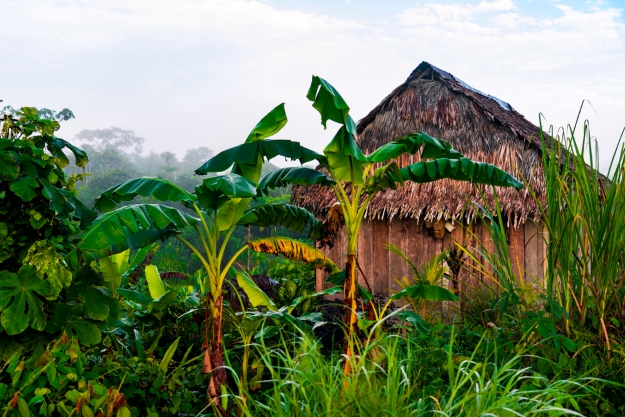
x: 480, y: 126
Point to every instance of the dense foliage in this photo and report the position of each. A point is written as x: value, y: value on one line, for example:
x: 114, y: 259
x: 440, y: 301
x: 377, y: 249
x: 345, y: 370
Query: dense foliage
x: 96, y: 329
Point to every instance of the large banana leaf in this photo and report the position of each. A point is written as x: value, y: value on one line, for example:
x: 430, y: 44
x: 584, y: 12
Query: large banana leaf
x: 280, y: 214
x: 158, y: 188
x: 293, y: 249
x: 293, y: 175
x: 215, y: 191
x: 269, y: 125
x: 249, y: 153
x: 344, y: 157
x: 229, y: 195
x: 432, y: 148
x: 426, y: 292
x: 462, y: 169
x: 329, y: 103
x: 256, y: 296
x: 383, y: 178
x: 131, y: 227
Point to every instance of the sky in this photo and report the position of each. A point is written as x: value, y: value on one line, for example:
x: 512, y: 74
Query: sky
x: 190, y: 73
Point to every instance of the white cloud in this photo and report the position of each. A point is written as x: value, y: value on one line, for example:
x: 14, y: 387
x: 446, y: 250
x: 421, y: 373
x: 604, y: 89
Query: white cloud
x: 494, y: 6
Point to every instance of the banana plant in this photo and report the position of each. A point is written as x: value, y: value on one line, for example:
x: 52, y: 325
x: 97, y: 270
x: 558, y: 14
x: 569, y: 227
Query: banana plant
x: 425, y: 284
x: 359, y: 177
x: 220, y: 203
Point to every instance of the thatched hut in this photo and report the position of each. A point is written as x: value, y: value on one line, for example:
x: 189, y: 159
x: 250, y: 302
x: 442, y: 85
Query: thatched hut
x: 414, y: 216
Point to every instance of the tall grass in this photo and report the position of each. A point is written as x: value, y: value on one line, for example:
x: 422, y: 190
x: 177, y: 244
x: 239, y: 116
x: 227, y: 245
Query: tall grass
x: 585, y: 219
x: 401, y: 375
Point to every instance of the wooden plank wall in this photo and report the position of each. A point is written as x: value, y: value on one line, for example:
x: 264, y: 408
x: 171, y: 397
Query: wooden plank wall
x: 527, y: 251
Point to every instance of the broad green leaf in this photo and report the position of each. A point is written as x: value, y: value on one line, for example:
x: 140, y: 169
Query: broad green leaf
x: 462, y: 169
x: 19, y: 303
x: 252, y: 154
x: 155, y: 187
x: 327, y: 291
x: 292, y: 175
x: 162, y: 302
x: 426, y: 292
x: 23, y: 407
x: 228, y: 213
x: 87, y: 287
x: 421, y: 325
x: 411, y: 144
x: 385, y: 177
x: 9, y: 168
x: 121, y: 259
x: 69, y: 318
x: 56, y: 145
x: 50, y: 266
x: 293, y: 249
x: 138, y: 258
x: 169, y: 354
x: 6, y: 242
x: 139, y: 344
x: 345, y: 159
x: 155, y: 284
x: 132, y: 227
x: 135, y: 296
x: 25, y: 188
x: 269, y: 125
x: 256, y: 296
x: 281, y: 214
x: 65, y: 202
x: 329, y: 103
x: 229, y: 185
x: 111, y: 274
x: 338, y: 278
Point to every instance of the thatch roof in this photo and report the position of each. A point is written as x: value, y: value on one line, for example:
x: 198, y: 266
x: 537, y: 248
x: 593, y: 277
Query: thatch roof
x: 480, y: 126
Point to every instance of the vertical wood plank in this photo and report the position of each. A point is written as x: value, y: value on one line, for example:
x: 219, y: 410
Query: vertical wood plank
x: 365, y: 253
x: 380, y: 256
x: 517, y: 251
x: 531, y: 252
x: 398, y: 235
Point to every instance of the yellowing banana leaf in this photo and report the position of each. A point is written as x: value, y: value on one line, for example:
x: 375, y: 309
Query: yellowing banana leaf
x: 462, y: 169
x: 295, y: 250
x: 158, y: 188
x: 280, y: 214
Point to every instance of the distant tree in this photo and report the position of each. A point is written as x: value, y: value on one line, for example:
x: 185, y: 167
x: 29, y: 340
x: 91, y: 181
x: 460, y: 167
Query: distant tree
x: 197, y: 156
x: 112, y: 138
x: 169, y: 158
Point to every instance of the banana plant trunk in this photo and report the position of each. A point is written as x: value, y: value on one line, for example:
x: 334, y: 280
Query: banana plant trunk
x: 218, y: 378
x: 350, y: 318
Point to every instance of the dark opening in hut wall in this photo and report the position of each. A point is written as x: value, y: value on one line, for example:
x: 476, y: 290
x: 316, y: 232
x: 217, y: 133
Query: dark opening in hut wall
x: 484, y: 129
